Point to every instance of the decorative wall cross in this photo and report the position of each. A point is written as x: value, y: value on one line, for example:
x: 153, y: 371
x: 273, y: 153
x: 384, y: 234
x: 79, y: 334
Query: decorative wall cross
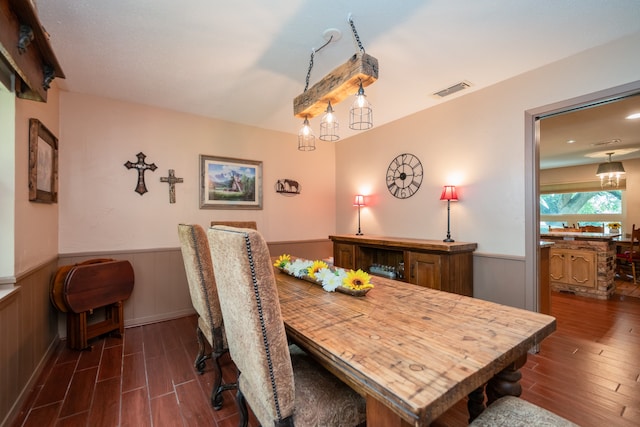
x: 141, y: 166
x: 172, y: 180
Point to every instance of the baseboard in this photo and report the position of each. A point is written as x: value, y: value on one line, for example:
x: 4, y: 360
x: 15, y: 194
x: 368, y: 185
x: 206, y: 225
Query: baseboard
x: 141, y: 321
x: 26, y: 391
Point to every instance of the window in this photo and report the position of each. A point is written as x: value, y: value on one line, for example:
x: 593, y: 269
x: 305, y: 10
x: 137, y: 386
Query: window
x: 579, y: 208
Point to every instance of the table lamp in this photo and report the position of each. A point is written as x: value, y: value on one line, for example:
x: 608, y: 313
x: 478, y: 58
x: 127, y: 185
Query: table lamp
x: 359, y: 201
x: 449, y: 194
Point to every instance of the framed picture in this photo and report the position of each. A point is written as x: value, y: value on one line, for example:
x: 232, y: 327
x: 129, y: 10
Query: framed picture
x: 43, y: 163
x: 227, y: 183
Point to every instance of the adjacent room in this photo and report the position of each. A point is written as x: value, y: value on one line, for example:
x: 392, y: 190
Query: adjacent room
x: 433, y: 206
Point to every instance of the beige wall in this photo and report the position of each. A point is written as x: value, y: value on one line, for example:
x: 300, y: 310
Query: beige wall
x: 99, y: 210
x: 477, y: 142
x: 36, y: 224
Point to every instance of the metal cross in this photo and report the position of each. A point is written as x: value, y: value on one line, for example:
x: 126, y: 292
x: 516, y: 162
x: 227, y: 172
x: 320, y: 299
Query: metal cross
x: 141, y: 166
x: 172, y: 180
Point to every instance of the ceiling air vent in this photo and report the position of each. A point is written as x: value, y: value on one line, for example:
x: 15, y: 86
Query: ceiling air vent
x: 453, y: 89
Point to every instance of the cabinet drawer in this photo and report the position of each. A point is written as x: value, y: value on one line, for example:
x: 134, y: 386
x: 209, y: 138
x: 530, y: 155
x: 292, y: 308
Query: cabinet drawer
x: 425, y: 270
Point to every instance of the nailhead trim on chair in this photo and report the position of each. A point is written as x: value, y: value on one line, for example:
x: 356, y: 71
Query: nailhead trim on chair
x: 263, y: 327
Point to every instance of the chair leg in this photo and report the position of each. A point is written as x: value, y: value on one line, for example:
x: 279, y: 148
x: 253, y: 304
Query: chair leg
x: 199, y: 363
x: 241, y: 403
x: 218, y: 386
x: 216, y: 392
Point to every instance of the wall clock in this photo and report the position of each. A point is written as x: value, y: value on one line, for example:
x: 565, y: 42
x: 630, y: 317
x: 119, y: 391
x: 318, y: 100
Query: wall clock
x: 404, y: 176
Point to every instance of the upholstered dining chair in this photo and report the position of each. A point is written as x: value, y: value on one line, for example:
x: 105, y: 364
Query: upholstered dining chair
x: 237, y: 224
x: 282, y: 387
x: 628, y: 260
x: 204, y: 297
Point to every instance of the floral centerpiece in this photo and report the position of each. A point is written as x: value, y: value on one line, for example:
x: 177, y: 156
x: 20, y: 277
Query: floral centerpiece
x: 330, y: 278
x: 614, y: 226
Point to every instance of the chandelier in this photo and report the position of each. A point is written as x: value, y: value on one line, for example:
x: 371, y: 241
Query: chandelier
x: 610, y: 173
x: 348, y: 79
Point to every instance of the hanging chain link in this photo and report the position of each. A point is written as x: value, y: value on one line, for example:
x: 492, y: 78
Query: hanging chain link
x: 313, y: 52
x: 355, y: 34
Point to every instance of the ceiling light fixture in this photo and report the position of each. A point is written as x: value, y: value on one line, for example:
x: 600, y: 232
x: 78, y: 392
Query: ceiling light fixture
x: 633, y: 116
x: 361, y: 114
x: 350, y: 78
x: 306, y: 138
x: 329, y: 125
x: 610, y: 173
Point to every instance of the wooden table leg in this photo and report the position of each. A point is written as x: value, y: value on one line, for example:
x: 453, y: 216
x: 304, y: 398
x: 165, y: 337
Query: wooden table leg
x: 475, y: 405
x: 379, y: 415
x: 506, y: 382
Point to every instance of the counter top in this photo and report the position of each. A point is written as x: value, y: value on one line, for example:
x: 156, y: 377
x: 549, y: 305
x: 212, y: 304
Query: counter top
x: 405, y: 243
x: 579, y: 236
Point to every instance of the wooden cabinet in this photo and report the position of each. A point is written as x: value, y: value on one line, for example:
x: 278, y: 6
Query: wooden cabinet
x: 424, y: 270
x: 544, y: 289
x: 573, y: 267
x: 344, y: 255
x: 446, y: 266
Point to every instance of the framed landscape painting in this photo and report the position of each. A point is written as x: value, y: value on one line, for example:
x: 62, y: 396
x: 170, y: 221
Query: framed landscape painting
x: 227, y: 183
x: 43, y: 163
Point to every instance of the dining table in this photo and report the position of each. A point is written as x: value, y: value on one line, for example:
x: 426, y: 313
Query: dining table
x: 411, y: 351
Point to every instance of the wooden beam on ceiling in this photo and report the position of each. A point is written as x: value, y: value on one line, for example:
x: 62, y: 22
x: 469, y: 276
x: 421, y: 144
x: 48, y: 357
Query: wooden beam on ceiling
x: 342, y: 82
x: 25, y: 47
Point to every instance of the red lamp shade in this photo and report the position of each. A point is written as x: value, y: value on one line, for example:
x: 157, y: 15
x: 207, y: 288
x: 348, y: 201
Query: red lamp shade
x: 449, y: 193
x: 358, y: 200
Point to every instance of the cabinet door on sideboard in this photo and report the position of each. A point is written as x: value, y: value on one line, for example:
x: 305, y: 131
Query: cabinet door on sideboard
x: 344, y: 255
x: 425, y: 270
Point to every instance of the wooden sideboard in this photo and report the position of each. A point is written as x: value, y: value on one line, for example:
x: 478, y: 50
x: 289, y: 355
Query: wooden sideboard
x: 446, y: 266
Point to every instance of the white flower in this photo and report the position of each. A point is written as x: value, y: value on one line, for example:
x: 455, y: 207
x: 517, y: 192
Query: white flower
x: 299, y: 267
x: 329, y: 279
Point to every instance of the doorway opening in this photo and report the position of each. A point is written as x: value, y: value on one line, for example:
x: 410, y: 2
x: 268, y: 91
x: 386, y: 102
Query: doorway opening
x: 532, y: 174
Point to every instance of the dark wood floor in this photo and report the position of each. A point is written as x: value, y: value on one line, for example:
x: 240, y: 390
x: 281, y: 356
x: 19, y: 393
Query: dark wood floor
x: 588, y: 371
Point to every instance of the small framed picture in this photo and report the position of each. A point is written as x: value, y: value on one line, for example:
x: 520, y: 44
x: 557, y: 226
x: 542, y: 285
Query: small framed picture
x: 43, y: 164
x: 227, y: 183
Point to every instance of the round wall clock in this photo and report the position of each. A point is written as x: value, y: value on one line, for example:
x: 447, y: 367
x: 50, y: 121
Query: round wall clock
x: 404, y: 176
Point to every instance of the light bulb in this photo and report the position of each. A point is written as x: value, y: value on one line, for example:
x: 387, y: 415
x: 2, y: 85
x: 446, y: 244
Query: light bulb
x: 329, y: 118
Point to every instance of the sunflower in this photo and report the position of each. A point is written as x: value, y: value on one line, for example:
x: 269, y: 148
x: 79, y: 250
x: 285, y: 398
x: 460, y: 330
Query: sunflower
x: 357, y: 280
x: 315, y: 267
x: 282, y: 261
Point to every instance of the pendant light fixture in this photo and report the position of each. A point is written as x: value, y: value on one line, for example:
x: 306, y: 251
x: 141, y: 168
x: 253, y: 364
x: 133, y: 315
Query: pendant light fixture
x: 306, y: 138
x: 329, y: 125
x: 361, y: 114
x: 351, y: 77
x: 610, y: 173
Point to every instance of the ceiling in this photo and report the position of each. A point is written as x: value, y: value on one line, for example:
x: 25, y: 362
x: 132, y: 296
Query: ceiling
x: 587, y: 135
x: 245, y: 60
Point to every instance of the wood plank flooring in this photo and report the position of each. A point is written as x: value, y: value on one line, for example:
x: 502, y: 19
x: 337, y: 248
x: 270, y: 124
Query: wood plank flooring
x: 588, y: 371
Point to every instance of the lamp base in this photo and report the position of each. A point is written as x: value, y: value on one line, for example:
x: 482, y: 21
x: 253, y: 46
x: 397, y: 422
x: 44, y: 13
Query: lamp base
x: 359, y: 234
x: 448, y: 240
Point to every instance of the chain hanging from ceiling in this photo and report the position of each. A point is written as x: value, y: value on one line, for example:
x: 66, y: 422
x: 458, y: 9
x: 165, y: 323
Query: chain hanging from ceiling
x: 348, y: 79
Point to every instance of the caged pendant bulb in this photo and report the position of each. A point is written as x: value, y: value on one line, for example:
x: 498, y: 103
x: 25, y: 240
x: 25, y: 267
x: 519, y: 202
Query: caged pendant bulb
x: 361, y: 113
x: 329, y: 125
x: 306, y: 138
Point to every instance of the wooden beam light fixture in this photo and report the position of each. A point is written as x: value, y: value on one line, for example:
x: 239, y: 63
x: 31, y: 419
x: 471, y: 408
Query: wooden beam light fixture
x: 360, y: 70
x: 342, y: 82
x: 25, y: 49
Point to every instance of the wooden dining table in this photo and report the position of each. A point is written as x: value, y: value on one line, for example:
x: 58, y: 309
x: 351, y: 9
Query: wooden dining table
x: 413, y: 352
